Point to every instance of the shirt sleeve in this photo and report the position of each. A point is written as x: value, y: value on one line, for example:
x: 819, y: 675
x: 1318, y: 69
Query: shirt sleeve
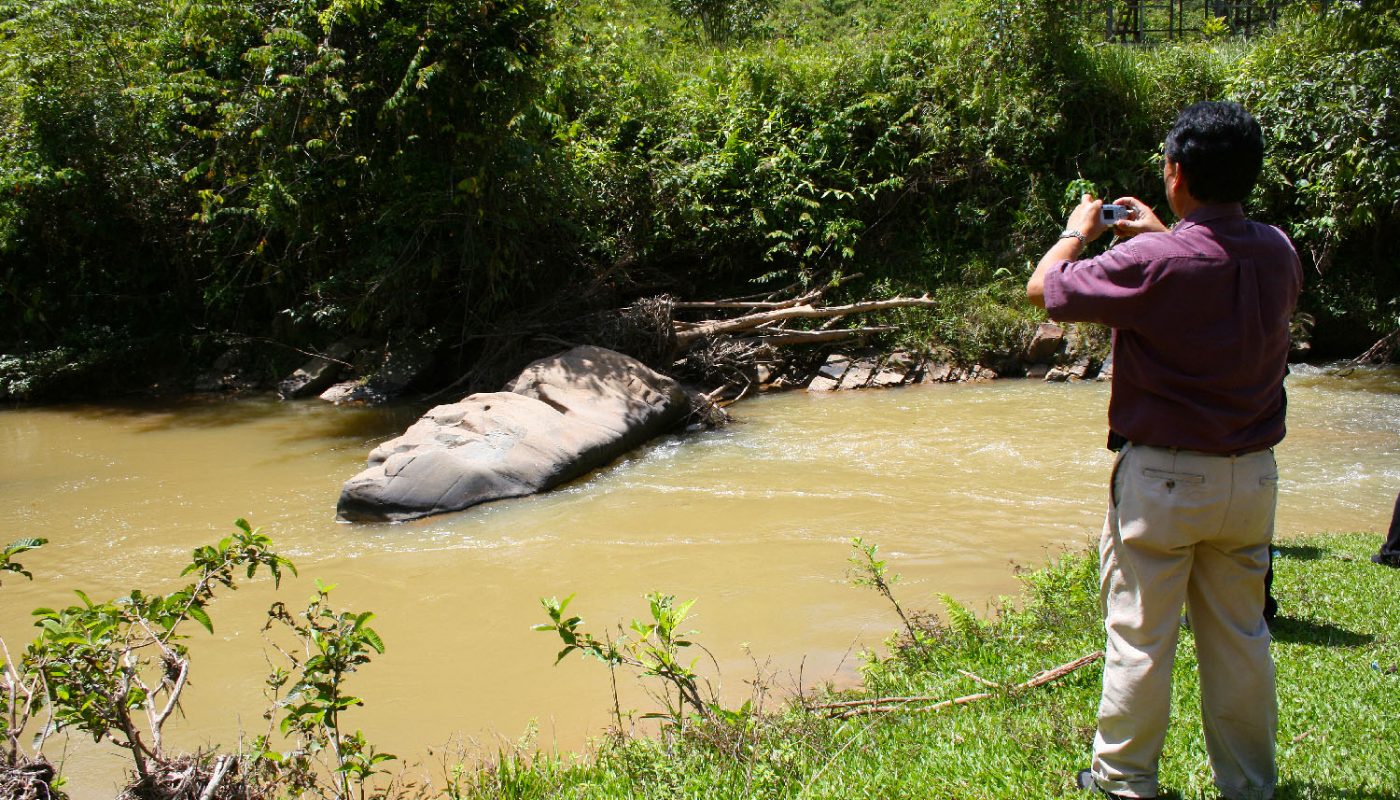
x: 1108, y: 288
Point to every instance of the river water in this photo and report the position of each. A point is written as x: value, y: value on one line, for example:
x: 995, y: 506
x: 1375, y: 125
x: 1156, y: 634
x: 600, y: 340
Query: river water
x: 958, y: 484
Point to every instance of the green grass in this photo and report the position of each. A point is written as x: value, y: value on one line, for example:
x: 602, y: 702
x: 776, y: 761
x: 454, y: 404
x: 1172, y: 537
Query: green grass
x: 1337, y: 649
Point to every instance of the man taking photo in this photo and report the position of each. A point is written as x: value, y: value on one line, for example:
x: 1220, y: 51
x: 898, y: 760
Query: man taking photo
x: 1200, y: 315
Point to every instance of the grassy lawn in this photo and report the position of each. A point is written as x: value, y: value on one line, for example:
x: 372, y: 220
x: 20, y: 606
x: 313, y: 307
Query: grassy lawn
x: 1337, y: 649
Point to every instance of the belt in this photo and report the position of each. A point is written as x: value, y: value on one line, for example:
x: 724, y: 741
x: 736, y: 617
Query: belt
x: 1117, y: 441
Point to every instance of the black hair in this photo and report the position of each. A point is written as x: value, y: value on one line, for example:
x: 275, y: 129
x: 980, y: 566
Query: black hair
x: 1219, y: 147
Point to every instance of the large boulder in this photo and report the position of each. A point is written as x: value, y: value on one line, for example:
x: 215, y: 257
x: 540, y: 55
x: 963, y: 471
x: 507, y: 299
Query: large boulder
x: 560, y: 418
x: 1045, y: 342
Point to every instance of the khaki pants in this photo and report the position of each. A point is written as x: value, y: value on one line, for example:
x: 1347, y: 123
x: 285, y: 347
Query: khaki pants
x: 1187, y: 528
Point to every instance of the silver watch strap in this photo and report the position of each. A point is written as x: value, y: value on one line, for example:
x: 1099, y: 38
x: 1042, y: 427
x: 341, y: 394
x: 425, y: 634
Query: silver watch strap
x: 1072, y: 233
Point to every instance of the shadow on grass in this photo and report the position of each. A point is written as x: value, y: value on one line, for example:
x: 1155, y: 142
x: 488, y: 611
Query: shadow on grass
x: 1324, y: 634
x: 1308, y: 790
x: 1301, y: 552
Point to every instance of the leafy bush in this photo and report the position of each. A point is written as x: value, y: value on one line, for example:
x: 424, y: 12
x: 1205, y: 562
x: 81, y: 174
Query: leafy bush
x: 1324, y: 90
x: 221, y: 161
x: 722, y: 20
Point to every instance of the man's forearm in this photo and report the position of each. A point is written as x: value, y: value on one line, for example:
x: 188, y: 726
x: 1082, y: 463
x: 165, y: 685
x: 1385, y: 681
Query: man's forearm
x: 1064, y: 250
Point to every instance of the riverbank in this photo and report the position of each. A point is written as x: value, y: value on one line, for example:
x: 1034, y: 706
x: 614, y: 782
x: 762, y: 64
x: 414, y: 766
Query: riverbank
x: 1337, y: 650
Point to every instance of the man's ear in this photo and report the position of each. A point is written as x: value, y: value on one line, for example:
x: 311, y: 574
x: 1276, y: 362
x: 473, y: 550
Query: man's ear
x: 1175, y: 176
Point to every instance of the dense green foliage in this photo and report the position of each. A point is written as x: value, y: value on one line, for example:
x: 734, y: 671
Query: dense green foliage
x: 1326, y: 92
x: 173, y: 167
x: 306, y: 169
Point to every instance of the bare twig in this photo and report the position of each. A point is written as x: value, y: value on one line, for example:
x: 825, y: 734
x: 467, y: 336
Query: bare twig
x: 881, y: 705
x: 172, y: 702
x: 974, y: 676
x: 243, y: 338
x: 220, y: 769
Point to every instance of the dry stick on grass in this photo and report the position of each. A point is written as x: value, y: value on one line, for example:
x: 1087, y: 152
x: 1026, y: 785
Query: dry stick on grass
x: 881, y: 705
x: 974, y: 676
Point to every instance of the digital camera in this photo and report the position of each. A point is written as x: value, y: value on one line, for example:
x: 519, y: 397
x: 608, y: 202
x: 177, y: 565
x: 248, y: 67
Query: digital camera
x: 1112, y: 213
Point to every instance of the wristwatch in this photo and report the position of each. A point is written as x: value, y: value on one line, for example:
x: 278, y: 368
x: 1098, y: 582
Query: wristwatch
x: 1074, y: 234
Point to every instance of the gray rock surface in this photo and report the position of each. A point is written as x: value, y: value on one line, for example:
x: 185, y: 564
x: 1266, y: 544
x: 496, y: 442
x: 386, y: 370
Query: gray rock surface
x: 835, y: 366
x: 350, y: 392
x: 859, y: 374
x: 560, y: 418
x: 1106, y: 371
x: 889, y: 375
x: 937, y: 373
x: 316, y: 375
x: 828, y: 377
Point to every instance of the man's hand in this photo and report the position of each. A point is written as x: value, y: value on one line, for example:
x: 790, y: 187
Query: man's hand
x: 1087, y: 218
x: 1141, y: 221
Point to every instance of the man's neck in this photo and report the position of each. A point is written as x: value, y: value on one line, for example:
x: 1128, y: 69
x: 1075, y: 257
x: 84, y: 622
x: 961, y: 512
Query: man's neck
x: 1184, y: 205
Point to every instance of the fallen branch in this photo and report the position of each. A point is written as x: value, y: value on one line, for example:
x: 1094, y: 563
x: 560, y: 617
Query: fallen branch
x: 1378, y: 352
x: 749, y: 304
x: 881, y: 705
x: 815, y: 337
x: 687, y: 337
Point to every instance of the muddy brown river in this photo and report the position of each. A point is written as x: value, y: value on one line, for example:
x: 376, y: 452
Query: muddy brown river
x: 958, y: 484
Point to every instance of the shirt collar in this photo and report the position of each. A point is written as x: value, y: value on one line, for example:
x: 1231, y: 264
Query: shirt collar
x: 1210, y: 212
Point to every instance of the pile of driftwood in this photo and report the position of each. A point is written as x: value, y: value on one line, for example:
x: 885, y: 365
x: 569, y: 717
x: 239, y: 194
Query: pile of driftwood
x: 735, y: 343
x: 765, y: 321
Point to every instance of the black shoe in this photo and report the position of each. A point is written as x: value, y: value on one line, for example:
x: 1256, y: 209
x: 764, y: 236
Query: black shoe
x: 1386, y: 559
x: 1084, y: 779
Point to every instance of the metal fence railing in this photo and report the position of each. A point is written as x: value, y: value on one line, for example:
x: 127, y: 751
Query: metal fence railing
x: 1146, y: 21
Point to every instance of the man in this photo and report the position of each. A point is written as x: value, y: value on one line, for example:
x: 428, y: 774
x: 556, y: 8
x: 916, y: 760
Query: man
x: 1200, y: 318
x: 1389, y: 555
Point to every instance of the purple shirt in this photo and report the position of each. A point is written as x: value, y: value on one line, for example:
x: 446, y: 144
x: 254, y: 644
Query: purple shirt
x: 1200, y: 329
